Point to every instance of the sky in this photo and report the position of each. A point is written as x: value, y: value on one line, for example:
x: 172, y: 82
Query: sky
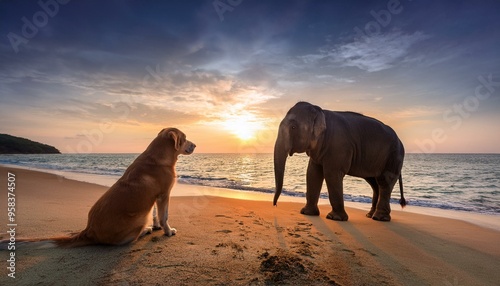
x: 107, y: 76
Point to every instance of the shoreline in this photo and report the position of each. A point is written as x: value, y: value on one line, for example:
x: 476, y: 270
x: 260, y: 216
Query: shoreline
x: 491, y: 221
x: 231, y: 241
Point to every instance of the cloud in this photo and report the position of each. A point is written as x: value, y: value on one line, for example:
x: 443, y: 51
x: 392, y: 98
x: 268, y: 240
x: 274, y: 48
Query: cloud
x: 128, y: 113
x: 199, y: 90
x: 334, y: 79
x: 415, y: 113
x: 371, y: 54
x: 378, y: 52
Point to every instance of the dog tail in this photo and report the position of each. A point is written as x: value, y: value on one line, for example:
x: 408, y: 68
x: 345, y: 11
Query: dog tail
x: 76, y: 240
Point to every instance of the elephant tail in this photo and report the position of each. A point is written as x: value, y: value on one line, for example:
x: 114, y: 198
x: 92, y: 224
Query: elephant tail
x: 402, y: 201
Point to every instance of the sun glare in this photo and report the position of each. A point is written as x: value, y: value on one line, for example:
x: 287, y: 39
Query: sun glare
x: 244, y: 126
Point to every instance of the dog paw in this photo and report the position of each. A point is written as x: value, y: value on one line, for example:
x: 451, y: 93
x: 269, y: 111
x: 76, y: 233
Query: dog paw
x: 171, y: 232
x: 147, y: 230
x: 156, y: 227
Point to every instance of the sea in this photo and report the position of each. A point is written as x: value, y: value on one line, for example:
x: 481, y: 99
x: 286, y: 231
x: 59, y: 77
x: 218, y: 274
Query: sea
x: 462, y: 182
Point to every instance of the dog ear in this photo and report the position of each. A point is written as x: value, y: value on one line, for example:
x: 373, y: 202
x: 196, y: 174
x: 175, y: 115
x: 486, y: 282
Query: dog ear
x: 176, y: 138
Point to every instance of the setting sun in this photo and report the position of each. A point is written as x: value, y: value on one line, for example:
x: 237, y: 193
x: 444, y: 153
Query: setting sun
x: 244, y: 126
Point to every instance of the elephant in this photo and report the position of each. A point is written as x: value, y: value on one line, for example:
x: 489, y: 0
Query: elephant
x: 339, y: 144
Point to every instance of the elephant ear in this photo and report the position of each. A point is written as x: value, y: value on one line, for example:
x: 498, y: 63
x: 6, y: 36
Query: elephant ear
x: 319, y: 122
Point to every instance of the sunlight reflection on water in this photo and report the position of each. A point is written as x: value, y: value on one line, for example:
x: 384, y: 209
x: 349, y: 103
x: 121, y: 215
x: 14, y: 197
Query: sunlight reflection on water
x: 469, y: 182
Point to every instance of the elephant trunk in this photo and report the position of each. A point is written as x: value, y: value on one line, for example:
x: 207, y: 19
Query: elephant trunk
x: 281, y: 150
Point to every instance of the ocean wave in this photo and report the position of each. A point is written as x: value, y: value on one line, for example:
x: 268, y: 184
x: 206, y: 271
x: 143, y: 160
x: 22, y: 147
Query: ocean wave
x: 430, y: 203
x: 479, y: 195
x: 219, y: 183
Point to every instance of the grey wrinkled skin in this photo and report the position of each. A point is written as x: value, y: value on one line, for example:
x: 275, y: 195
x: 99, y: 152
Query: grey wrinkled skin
x: 339, y: 144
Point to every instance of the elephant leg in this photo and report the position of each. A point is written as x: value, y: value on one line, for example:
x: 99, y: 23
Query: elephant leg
x: 383, y: 209
x: 336, y: 197
x: 314, y: 182
x: 374, y: 185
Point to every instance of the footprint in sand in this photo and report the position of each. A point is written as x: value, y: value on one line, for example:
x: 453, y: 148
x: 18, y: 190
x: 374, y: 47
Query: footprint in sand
x: 237, y: 249
x: 315, y: 238
x: 224, y: 216
x: 257, y: 222
x: 303, y: 226
x: 249, y: 215
x: 296, y: 235
x: 304, y: 249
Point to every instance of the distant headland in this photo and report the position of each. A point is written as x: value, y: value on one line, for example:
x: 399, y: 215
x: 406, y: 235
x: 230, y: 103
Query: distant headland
x: 16, y: 145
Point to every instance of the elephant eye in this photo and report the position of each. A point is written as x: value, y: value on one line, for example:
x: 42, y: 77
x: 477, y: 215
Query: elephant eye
x: 294, y: 127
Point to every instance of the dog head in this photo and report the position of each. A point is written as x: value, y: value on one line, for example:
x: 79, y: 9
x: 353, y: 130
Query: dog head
x: 181, y: 144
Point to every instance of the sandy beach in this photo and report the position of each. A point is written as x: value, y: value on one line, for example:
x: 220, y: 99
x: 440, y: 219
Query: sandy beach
x: 233, y: 241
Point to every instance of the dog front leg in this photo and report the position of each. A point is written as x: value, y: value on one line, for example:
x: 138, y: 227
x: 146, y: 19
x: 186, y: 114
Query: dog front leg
x: 163, y: 212
x: 156, y: 222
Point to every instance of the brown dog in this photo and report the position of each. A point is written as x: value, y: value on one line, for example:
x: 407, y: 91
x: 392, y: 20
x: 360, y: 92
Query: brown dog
x: 120, y: 215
